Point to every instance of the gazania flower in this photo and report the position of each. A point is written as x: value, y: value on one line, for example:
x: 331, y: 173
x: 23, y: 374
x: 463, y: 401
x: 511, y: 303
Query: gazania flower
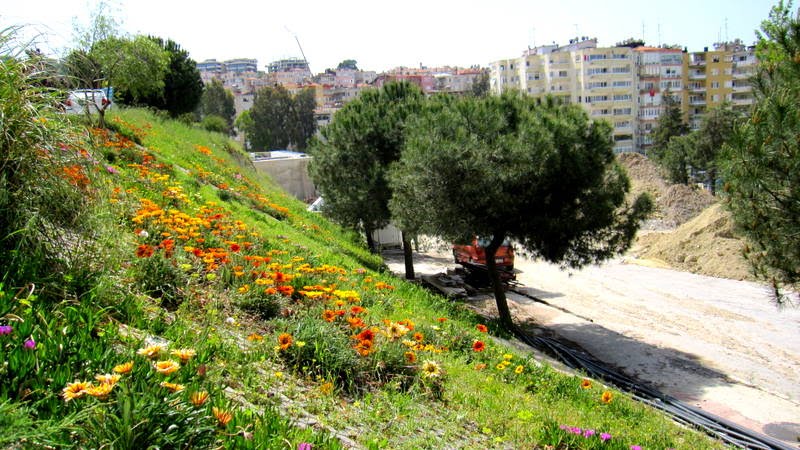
x: 255, y: 337
x: 396, y: 330
x: 184, y: 354
x: 150, y: 352
x: 442, y: 319
x: 478, y: 346
x: 75, y: 390
x: 480, y: 366
x: 144, y: 251
x: 418, y: 337
x: 431, y: 369
x: 223, y: 417
x: 108, y: 378
x: 519, y: 370
x: 366, y: 335
x: 198, y: 398
x: 100, y: 391
x: 166, y: 367
x: 363, y: 347
x: 328, y: 315
x: 411, y: 357
x: 356, y: 310
x: 284, y: 341
x: 173, y: 387
x: 123, y: 368
x: 481, y: 327
x: 586, y: 383
x: 606, y: 397
x: 508, y: 356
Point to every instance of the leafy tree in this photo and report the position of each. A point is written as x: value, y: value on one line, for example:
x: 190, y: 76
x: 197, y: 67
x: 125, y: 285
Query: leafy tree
x: 304, y: 124
x: 480, y: 85
x: 671, y: 124
x: 717, y: 128
x: 183, y: 86
x: 676, y: 156
x: 503, y: 167
x: 352, y: 158
x: 280, y: 120
x: 761, y: 161
x: 348, y: 64
x: 218, y: 101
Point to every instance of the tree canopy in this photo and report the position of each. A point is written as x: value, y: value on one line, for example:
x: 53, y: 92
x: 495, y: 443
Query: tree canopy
x: 348, y: 64
x: 183, y: 86
x: 218, y: 101
x: 761, y: 162
x: 717, y: 127
x: 279, y: 120
x: 502, y: 167
x: 673, y: 158
x: 352, y: 158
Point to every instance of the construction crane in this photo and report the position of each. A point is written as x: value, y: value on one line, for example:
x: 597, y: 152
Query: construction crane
x: 299, y: 46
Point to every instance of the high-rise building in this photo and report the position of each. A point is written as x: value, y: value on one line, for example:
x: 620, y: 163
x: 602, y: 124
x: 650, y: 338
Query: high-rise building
x: 627, y: 86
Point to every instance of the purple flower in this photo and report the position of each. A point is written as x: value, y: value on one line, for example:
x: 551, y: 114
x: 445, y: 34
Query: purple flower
x: 29, y: 344
x: 5, y: 329
x: 588, y: 433
x: 576, y: 430
x: 636, y: 447
x: 304, y: 446
x: 605, y: 436
x: 111, y: 170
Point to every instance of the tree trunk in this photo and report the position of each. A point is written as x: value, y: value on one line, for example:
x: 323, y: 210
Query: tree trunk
x: 407, y: 256
x: 712, y: 181
x: 370, y: 240
x: 497, y: 286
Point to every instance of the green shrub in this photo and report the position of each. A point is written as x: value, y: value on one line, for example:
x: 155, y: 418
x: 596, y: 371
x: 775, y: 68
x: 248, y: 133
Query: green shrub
x: 215, y: 123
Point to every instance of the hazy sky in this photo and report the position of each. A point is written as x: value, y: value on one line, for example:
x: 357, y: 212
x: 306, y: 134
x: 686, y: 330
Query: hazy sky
x: 381, y: 35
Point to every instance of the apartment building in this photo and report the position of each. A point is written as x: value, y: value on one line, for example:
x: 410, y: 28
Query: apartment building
x: 661, y: 73
x: 627, y: 86
x: 602, y: 80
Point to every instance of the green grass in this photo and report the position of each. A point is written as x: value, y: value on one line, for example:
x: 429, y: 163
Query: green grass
x: 202, y: 252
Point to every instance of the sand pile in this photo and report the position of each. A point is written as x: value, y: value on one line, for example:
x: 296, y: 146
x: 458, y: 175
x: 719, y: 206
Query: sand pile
x: 705, y: 245
x: 674, y: 203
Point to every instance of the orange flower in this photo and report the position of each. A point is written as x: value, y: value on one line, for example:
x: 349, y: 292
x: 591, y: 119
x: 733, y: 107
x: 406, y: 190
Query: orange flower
x: 184, y: 354
x: 418, y: 337
x: 442, y: 319
x: 166, y: 367
x: 480, y: 366
x: 198, y: 398
x: 478, y: 346
x: 482, y: 328
x: 150, y: 352
x: 101, y: 391
x: 223, y: 417
x: 285, y: 341
x: 363, y: 347
x: 124, y: 368
x: 173, y: 387
x: 606, y: 397
x: 255, y: 337
x: 356, y: 310
x: 286, y: 290
x: 108, y: 378
x: 75, y: 390
x: 144, y: 251
x: 355, y: 322
x: 586, y: 383
x: 366, y: 335
x: 411, y: 357
x: 328, y: 315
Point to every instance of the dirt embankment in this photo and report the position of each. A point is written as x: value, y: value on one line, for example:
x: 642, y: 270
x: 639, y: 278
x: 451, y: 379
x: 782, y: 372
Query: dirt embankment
x: 689, y: 230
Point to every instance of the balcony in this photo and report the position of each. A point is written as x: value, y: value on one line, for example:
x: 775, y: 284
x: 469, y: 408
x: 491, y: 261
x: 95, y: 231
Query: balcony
x: 742, y: 88
x: 742, y: 101
x: 697, y: 62
x: 697, y: 101
x: 741, y: 75
x: 697, y: 88
x: 697, y: 75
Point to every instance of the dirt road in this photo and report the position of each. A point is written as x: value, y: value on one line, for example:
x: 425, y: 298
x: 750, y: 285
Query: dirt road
x: 715, y: 343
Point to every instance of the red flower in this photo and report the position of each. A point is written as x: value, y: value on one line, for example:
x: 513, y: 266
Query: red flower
x: 478, y: 346
x: 144, y: 251
x: 366, y: 335
x: 482, y: 328
x: 235, y: 247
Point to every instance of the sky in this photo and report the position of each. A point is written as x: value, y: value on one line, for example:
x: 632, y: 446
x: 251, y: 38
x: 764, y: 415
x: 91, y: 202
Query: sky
x: 382, y: 35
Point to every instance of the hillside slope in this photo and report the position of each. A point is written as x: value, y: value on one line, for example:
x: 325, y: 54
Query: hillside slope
x: 222, y: 314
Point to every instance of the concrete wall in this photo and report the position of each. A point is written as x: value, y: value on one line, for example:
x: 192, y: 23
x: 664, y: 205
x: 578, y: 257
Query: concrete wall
x: 291, y: 174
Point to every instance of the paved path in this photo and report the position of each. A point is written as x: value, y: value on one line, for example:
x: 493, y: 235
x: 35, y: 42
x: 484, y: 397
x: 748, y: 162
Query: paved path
x: 715, y: 343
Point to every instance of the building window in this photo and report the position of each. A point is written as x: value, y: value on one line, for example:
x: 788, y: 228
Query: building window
x: 625, y: 83
x: 625, y: 69
x: 622, y: 111
x: 622, y: 97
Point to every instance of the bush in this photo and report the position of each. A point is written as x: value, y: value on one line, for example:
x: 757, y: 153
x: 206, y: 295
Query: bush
x: 215, y: 123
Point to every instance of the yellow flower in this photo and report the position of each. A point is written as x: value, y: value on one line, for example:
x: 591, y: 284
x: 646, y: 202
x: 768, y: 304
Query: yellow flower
x: 396, y: 330
x: 508, y: 356
x: 501, y: 366
x: 606, y: 397
x: 75, y: 390
x: 326, y: 388
x: 151, y: 352
x: 223, y: 417
x: 124, y: 368
x: 198, y: 398
x: 174, y: 387
x: 108, y: 378
x: 586, y: 383
x: 278, y: 374
x: 519, y: 370
x: 166, y: 367
x: 430, y: 369
x: 101, y: 391
x: 184, y: 354
x: 300, y: 344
